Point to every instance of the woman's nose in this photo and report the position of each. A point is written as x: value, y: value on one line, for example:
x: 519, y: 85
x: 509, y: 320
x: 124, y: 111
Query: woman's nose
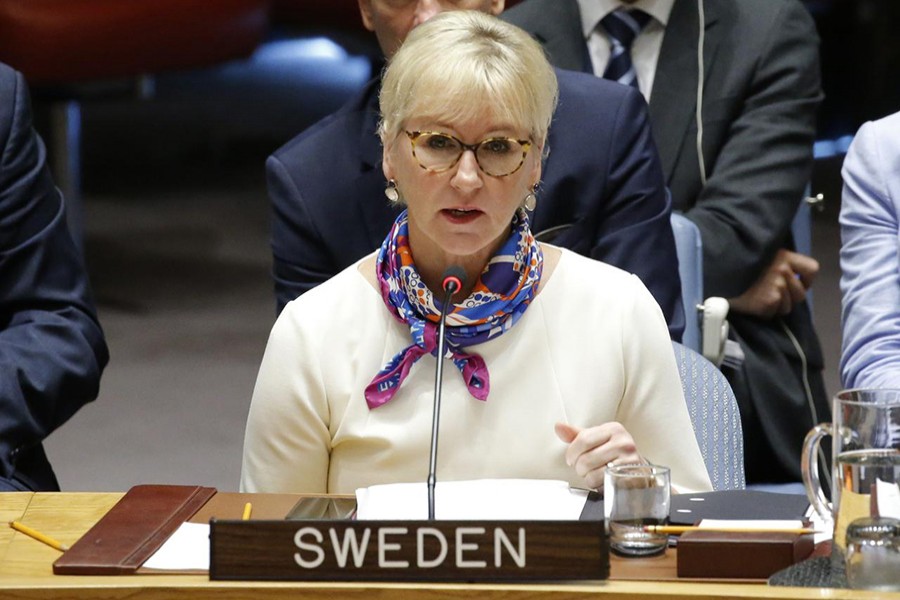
x: 468, y: 174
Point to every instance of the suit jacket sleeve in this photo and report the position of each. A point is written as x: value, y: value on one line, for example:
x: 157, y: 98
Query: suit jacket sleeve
x: 635, y: 231
x: 757, y: 178
x: 869, y: 261
x: 604, y: 179
x: 299, y: 254
x: 52, y: 349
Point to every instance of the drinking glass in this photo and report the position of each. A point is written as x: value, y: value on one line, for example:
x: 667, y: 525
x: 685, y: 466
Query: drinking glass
x: 636, y: 496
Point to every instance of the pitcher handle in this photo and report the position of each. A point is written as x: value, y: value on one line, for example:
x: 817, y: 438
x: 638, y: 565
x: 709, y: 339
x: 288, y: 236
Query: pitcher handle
x: 809, y: 468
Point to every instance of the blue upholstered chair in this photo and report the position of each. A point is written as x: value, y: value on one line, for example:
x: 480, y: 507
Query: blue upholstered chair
x: 714, y: 415
x: 689, y: 249
x: 706, y: 329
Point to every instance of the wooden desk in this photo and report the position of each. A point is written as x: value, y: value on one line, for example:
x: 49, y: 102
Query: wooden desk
x: 26, y: 571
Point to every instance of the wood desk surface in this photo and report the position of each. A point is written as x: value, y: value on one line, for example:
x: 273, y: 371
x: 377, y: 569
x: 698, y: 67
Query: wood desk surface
x: 26, y: 571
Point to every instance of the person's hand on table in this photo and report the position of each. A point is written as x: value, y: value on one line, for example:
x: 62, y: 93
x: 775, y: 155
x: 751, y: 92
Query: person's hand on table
x: 591, y: 449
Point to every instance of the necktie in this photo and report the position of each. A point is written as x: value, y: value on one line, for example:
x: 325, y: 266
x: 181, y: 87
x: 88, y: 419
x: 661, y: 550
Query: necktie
x: 622, y: 26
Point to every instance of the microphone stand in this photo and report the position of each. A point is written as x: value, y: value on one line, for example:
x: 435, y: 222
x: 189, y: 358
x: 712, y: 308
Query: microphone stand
x: 451, y: 283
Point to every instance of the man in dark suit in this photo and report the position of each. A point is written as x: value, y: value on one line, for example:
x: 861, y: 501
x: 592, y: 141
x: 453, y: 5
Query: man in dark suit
x: 602, y: 186
x: 760, y: 94
x: 52, y: 349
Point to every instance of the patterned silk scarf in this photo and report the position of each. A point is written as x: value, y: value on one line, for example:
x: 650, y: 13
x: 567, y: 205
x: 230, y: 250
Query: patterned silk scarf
x: 500, y: 296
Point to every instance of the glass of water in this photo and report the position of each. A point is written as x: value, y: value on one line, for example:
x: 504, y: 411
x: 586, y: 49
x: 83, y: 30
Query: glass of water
x: 635, y: 498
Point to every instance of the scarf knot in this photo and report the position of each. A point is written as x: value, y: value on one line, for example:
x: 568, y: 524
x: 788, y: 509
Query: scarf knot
x: 499, y: 298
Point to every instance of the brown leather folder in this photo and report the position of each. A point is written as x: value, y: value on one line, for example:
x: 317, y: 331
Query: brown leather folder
x: 132, y: 530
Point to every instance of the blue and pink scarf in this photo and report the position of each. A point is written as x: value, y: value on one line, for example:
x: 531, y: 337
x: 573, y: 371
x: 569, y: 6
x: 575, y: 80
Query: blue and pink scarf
x: 500, y: 296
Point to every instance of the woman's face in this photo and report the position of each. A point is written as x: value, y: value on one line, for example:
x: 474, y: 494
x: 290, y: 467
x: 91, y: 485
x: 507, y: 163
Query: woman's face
x: 461, y: 215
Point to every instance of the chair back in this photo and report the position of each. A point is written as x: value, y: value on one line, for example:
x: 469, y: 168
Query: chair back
x: 689, y: 249
x: 801, y: 231
x: 715, y: 418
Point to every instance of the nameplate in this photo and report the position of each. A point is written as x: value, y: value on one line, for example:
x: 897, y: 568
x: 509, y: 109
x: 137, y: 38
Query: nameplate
x: 408, y: 550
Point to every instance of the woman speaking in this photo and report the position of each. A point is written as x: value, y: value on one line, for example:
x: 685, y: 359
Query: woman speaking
x: 558, y: 364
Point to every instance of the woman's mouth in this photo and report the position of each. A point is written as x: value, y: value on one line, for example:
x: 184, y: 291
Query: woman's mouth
x: 461, y: 215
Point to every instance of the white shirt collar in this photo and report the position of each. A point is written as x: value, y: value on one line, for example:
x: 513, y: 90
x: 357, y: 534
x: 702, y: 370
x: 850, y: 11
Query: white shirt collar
x: 594, y: 10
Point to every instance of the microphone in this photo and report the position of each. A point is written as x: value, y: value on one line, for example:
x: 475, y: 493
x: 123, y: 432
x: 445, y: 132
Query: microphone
x: 451, y: 282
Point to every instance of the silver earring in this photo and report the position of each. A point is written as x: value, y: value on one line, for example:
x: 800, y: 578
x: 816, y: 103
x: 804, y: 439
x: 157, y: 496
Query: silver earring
x: 391, y: 191
x: 530, y: 202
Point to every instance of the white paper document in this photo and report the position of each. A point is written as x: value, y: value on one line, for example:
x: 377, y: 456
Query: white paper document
x: 888, y: 499
x: 186, y: 550
x: 483, y: 500
x: 761, y: 524
x: 823, y: 529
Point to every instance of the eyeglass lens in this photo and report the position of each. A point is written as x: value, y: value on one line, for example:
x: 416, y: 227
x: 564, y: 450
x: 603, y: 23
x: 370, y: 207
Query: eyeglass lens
x: 495, y: 156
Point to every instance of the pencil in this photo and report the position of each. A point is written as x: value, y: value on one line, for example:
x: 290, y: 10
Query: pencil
x: 37, y: 535
x: 247, y: 509
x: 686, y: 528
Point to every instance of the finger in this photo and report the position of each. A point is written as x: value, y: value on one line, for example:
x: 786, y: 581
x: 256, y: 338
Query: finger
x: 806, y: 267
x: 767, y: 297
x: 566, y: 432
x: 785, y: 304
x: 591, y: 466
x: 594, y: 459
x: 596, y: 446
x: 595, y: 478
x: 795, y: 289
x: 777, y: 290
x: 586, y: 441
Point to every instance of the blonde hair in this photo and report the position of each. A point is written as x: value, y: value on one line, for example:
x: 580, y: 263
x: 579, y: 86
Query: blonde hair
x: 460, y: 61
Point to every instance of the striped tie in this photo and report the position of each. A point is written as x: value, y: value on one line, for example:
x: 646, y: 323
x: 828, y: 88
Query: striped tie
x: 622, y: 26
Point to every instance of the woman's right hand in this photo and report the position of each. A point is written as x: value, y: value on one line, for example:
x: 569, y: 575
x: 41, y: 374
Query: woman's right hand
x: 592, y: 448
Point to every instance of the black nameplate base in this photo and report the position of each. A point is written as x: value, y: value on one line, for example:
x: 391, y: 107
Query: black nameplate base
x: 461, y: 551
